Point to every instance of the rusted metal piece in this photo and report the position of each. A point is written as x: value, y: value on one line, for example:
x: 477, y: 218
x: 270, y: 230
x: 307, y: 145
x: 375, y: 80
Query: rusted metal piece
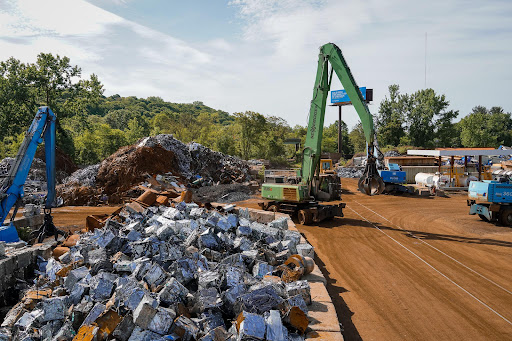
x: 71, y: 240
x: 107, y: 323
x: 147, y: 198
x: 162, y: 200
x: 95, y: 221
x: 185, y: 196
x: 297, y: 319
x: 295, y: 267
x: 38, y: 294
x: 59, y: 251
x: 86, y: 333
x: 64, y: 271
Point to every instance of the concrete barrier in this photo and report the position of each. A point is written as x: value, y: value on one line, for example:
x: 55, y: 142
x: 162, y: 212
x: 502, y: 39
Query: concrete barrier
x: 19, y: 263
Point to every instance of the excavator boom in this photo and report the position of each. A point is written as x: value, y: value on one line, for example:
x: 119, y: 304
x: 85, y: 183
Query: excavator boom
x: 11, y: 187
x: 370, y: 183
x: 300, y: 197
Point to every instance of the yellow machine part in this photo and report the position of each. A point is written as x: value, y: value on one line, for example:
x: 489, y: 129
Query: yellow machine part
x: 326, y: 166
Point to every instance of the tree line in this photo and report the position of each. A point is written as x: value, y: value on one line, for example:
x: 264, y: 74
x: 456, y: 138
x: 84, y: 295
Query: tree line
x: 91, y: 126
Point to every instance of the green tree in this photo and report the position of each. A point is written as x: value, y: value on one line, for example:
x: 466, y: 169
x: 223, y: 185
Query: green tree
x: 119, y: 118
x: 17, y: 105
x: 137, y: 129
x: 226, y: 141
x: 87, y: 150
x: 357, y: 138
x: 330, y: 139
x: 426, y: 114
x: 486, y: 128
x: 53, y: 77
x: 162, y: 124
x: 390, y: 120
x: 252, y: 128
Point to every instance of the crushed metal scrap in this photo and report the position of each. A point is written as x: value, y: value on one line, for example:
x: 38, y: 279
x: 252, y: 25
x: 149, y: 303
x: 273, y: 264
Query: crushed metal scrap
x: 170, y: 272
x: 113, y: 180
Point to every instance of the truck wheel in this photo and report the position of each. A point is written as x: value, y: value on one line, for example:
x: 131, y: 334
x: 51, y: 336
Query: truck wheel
x: 305, y: 217
x: 506, y: 217
x: 273, y: 208
x: 484, y: 218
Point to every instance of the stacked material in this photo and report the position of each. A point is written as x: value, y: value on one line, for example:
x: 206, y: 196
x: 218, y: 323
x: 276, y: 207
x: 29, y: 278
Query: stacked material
x: 171, y: 273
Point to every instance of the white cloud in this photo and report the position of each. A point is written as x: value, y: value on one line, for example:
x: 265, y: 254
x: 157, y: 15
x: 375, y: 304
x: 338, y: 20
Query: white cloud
x: 383, y: 42
x: 271, y: 68
x: 129, y: 58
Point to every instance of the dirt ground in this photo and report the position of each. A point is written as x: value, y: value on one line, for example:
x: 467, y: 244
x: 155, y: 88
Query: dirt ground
x: 72, y: 218
x: 414, y: 268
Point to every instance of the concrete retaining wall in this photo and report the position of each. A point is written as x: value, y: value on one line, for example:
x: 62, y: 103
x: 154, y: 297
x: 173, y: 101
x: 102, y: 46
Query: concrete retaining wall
x: 19, y: 263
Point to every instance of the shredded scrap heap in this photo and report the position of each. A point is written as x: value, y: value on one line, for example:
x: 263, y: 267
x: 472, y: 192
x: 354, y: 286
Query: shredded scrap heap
x: 111, y: 180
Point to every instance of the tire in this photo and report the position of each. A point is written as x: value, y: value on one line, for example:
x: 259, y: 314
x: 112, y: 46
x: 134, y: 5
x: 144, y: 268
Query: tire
x: 484, y: 218
x: 273, y: 208
x: 305, y: 217
x: 506, y: 217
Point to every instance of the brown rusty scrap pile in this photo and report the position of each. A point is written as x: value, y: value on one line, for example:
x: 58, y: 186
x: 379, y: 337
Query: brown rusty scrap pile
x: 116, y: 179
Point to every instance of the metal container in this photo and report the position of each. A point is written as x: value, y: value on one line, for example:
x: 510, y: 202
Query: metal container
x: 424, y: 179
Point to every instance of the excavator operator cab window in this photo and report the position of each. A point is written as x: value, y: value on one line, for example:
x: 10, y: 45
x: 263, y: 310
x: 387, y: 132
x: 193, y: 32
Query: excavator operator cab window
x: 326, y: 165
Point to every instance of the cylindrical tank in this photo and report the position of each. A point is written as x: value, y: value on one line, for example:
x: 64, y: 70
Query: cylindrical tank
x: 440, y: 181
x: 424, y: 179
x: 465, y: 180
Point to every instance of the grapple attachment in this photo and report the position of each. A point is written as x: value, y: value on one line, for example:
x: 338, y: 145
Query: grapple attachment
x: 371, y: 183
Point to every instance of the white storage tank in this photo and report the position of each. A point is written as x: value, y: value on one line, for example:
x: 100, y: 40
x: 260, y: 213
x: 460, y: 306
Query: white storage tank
x: 424, y: 179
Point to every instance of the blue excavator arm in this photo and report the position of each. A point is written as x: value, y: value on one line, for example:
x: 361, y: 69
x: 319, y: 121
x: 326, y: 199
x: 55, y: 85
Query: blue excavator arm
x: 11, y: 187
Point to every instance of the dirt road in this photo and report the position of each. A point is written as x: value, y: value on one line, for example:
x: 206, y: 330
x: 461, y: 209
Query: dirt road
x: 411, y: 268
x: 416, y: 269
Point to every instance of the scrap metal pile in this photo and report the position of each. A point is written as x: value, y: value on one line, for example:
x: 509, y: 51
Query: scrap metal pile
x: 35, y: 186
x: 350, y: 172
x: 113, y: 180
x: 171, y: 273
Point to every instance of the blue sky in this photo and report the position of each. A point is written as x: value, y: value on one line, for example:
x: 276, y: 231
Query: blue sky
x: 260, y: 55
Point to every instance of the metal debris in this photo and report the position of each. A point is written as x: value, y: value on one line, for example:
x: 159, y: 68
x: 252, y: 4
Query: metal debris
x: 172, y: 273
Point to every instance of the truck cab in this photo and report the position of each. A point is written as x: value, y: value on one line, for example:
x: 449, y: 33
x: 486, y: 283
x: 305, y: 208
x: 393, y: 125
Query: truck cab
x: 491, y: 200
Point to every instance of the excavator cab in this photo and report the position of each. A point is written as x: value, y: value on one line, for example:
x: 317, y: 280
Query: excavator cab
x: 326, y: 166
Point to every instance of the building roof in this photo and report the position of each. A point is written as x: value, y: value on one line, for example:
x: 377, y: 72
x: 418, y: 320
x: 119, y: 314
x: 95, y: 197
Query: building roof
x: 460, y: 152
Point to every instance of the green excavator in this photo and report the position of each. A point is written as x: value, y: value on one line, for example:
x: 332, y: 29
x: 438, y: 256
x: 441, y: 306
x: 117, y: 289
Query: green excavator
x: 301, y: 193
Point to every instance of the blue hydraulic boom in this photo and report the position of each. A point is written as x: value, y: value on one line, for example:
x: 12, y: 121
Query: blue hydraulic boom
x: 11, y: 187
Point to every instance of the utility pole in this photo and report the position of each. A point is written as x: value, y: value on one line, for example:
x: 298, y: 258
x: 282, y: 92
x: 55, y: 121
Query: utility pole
x: 340, y: 141
x: 425, y: 60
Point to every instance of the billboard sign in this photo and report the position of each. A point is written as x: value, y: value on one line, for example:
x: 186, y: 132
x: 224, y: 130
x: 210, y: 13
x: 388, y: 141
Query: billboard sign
x: 338, y: 96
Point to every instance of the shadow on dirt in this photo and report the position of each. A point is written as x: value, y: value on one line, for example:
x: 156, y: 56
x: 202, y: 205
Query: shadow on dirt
x: 443, y: 237
x: 344, y: 313
x: 335, y: 222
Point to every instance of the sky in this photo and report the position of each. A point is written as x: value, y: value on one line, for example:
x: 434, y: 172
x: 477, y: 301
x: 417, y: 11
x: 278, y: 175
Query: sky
x: 261, y: 55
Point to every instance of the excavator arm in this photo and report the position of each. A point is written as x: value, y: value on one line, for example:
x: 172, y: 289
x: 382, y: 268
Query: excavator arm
x: 370, y: 183
x: 11, y: 187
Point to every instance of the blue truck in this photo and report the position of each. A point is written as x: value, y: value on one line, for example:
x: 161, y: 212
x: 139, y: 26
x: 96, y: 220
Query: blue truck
x: 394, y: 179
x: 491, y: 200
